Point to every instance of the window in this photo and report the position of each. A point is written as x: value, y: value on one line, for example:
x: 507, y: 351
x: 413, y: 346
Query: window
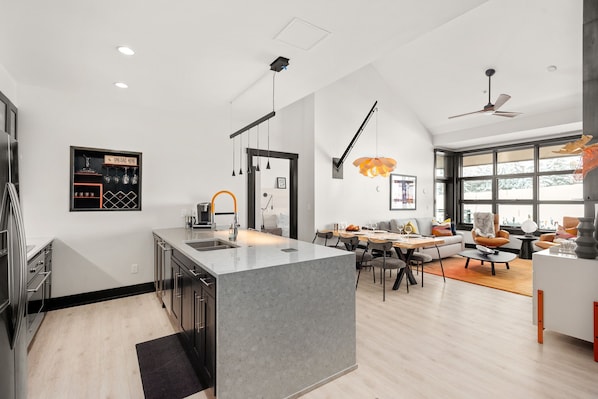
x: 515, y: 188
x: 444, y: 175
x: 477, y: 189
x: 514, y: 215
x: 551, y: 160
x: 515, y: 161
x: 440, y: 200
x: 561, y: 187
x: 518, y: 182
x: 477, y: 165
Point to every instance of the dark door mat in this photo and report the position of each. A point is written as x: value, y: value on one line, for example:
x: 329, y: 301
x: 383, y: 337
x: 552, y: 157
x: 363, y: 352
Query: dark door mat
x: 166, y: 372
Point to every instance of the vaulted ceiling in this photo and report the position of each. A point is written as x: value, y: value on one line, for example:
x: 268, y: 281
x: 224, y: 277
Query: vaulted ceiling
x: 194, y: 55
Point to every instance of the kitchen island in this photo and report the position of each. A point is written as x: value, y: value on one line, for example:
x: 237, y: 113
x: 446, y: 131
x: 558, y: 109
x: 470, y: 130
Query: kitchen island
x: 284, y: 311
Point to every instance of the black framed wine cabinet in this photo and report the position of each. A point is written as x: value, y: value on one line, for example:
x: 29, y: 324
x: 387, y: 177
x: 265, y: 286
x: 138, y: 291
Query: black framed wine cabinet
x: 105, y: 180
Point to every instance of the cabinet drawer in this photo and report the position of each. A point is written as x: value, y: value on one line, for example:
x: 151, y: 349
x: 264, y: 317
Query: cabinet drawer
x: 35, y: 265
x: 199, y: 274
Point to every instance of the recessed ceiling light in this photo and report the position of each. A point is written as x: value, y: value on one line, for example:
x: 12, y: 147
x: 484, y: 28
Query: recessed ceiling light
x: 125, y: 50
x: 551, y: 68
x: 121, y: 85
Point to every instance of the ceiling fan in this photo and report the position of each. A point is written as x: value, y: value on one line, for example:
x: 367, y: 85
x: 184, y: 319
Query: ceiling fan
x: 492, y: 109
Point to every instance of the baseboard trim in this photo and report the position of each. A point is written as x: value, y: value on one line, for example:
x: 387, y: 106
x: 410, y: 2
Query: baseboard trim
x: 98, y: 296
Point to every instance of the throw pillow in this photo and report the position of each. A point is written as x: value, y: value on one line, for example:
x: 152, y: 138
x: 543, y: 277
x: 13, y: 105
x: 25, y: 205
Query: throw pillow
x: 445, y: 222
x: 413, y: 227
x: 564, y: 233
x: 441, y: 231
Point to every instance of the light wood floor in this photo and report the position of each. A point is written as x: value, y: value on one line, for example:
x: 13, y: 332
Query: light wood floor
x: 453, y: 340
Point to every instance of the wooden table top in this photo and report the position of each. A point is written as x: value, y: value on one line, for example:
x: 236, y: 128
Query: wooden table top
x: 399, y: 240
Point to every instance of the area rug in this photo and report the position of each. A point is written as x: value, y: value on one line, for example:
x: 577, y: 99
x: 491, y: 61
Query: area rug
x: 517, y: 279
x: 166, y: 371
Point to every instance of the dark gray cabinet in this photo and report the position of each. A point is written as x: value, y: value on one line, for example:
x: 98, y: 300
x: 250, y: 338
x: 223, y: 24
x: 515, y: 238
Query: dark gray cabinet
x: 204, y: 335
x: 176, y: 292
x: 194, y: 310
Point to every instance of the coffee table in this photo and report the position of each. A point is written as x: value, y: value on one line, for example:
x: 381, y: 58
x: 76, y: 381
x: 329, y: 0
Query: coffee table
x: 497, y: 257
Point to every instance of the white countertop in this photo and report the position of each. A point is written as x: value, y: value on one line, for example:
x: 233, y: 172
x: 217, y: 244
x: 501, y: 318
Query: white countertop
x: 256, y: 250
x: 37, y: 243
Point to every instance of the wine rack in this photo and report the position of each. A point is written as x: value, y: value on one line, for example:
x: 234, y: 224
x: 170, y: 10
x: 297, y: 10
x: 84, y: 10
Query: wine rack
x: 105, y: 180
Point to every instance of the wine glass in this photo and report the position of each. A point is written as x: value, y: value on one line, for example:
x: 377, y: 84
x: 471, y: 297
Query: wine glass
x: 115, y: 178
x: 107, y: 177
x: 401, y: 228
x: 408, y: 229
x: 126, y: 178
x: 135, y: 178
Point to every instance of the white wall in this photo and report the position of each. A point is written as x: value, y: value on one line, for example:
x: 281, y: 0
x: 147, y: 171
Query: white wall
x: 8, y: 85
x: 292, y: 130
x: 185, y: 160
x: 340, y: 110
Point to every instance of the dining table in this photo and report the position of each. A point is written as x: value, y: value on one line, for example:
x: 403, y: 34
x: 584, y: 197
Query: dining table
x: 400, y: 242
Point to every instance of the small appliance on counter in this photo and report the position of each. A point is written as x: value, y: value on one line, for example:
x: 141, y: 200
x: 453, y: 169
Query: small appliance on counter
x: 204, y: 216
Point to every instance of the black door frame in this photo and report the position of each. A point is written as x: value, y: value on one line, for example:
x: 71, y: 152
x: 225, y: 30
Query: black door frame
x: 293, y: 191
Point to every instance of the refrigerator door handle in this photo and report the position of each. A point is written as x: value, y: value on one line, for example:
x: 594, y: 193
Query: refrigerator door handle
x: 11, y: 196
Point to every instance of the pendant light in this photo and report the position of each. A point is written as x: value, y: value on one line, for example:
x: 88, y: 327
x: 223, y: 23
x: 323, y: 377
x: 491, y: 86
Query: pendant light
x: 234, y: 158
x: 377, y: 166
x: 240, y: 155
x: 276, y: 66
x: 230, y: 122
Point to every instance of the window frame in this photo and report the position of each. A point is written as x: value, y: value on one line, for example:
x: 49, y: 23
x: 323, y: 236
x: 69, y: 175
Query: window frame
x: 494, y: 202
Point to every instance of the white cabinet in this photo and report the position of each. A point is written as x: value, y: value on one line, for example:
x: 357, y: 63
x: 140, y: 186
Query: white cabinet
x: 570, y: 288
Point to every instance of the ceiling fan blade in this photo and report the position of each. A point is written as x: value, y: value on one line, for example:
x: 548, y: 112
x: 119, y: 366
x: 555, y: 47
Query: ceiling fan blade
x: 506, y: 113
x: 503, y: 98
x: 469, y: 113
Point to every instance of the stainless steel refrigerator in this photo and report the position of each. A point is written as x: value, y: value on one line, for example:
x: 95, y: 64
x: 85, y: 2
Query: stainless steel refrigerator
x: 13, y: 278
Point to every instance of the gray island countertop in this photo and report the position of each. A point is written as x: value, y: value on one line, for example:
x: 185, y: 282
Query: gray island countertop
x: 255, y: 250
x: 285, y: 312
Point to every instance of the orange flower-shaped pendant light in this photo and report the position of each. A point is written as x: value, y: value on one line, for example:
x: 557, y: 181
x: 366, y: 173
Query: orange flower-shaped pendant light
x: 377, y: 166
x: 372, y: 167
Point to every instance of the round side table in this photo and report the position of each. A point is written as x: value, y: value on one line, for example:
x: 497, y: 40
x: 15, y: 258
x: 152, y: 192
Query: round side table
x: 526, y: 250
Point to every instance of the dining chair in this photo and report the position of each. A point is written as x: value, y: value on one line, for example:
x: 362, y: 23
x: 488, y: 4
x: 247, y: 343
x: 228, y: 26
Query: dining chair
x: 420, y: 258
x: 385, y: 261
x: 323, y: 235
x: 362, y: 256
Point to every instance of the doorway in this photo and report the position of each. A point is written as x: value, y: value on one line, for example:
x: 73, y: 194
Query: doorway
x: 272, y: 194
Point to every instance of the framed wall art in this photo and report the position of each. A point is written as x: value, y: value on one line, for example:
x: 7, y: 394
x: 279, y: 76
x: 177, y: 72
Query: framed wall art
x: 105, y: 180
x: 402, y: 192
x: 281, y: 182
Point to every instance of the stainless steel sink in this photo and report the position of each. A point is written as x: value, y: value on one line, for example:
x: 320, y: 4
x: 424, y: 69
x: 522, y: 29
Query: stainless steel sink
x: 211, y: 244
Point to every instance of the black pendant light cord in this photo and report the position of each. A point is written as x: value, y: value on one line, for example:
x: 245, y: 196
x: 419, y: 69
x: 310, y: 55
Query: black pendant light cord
x: 257, y: 169
x: 230, y: 119
x: 278, y: 65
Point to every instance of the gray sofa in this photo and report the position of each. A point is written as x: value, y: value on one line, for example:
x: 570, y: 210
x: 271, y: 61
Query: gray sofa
x: 452, y: 244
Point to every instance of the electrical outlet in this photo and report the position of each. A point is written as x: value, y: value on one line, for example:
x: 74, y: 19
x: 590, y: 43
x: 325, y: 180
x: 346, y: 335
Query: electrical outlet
x: 134, y: 268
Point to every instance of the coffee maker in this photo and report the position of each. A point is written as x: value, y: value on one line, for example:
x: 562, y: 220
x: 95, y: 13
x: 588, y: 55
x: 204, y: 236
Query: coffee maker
x: 204, y: 215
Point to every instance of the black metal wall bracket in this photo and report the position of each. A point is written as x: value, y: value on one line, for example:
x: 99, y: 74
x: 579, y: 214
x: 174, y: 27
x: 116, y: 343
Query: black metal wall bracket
x: 337, y: 163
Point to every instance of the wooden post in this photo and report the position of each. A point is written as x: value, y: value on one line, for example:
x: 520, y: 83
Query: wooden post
x: 541, y: 316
